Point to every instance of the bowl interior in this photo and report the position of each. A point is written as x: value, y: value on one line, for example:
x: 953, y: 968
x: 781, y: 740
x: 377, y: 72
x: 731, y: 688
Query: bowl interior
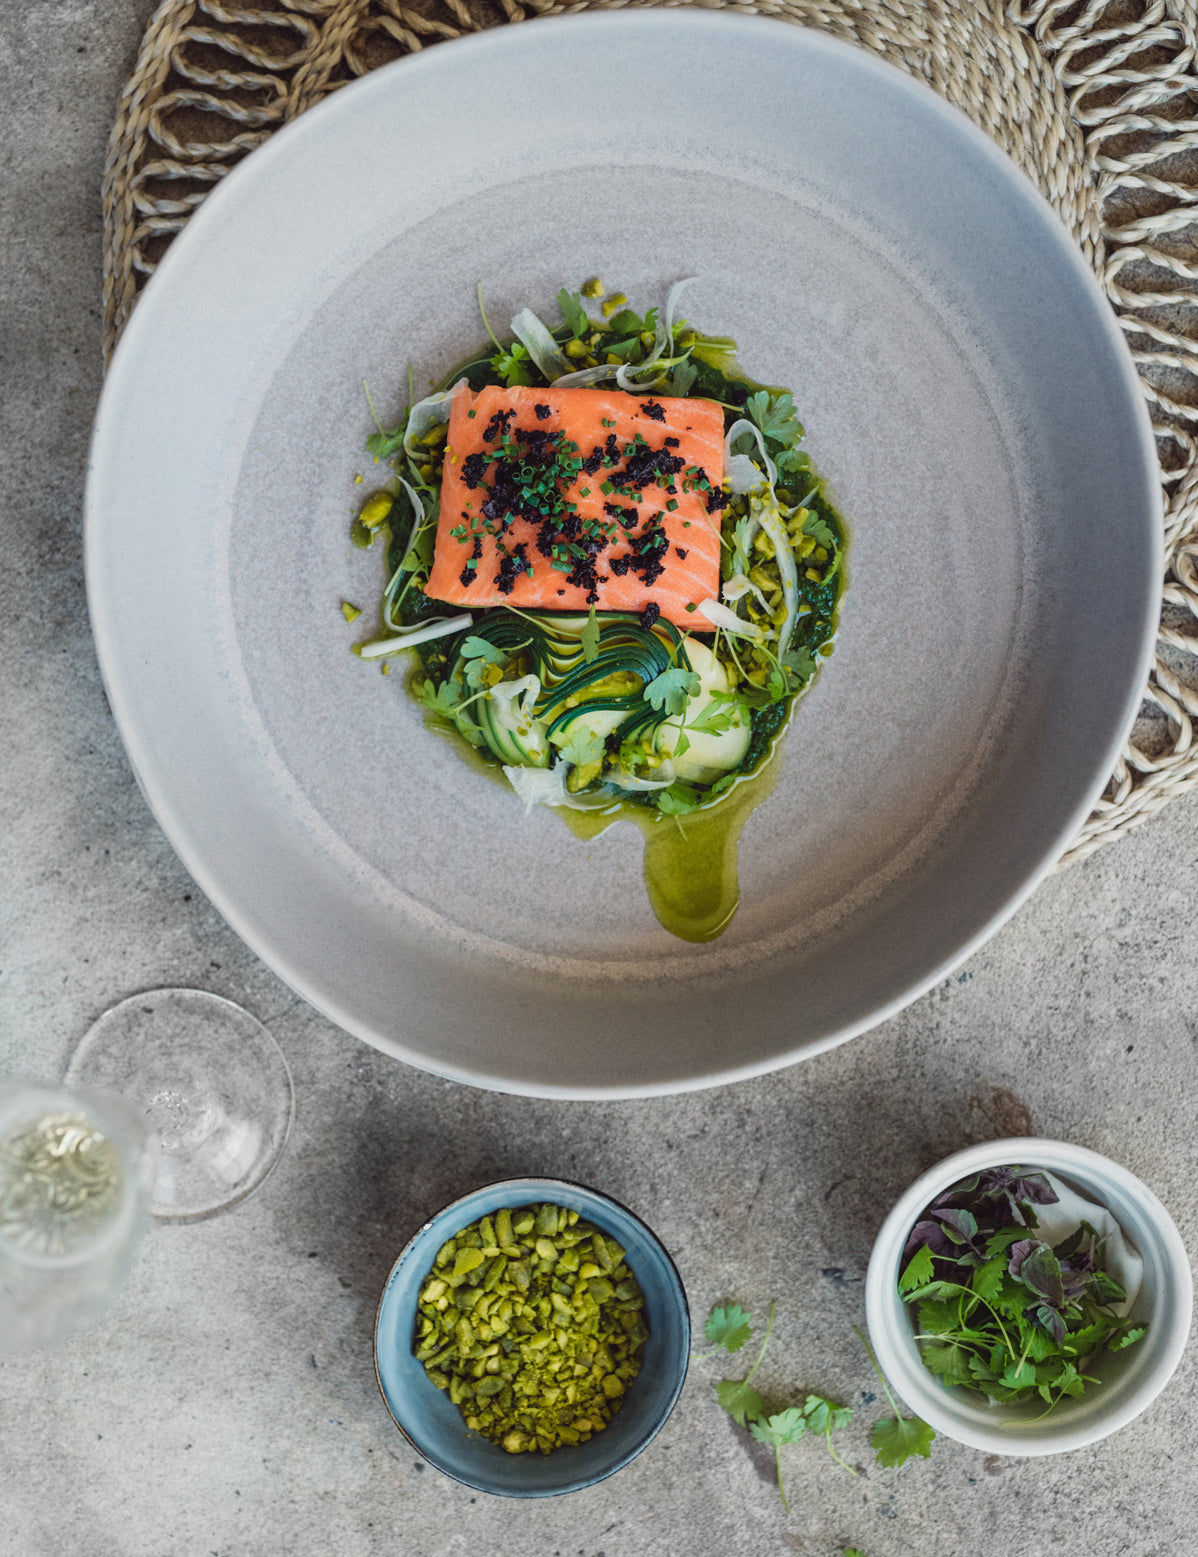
x: 1129, y: 1379
x: 435, y: 1426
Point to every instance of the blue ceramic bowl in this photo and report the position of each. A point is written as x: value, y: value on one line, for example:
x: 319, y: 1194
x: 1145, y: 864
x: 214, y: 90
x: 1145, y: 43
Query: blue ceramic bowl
x: 433, y: 1425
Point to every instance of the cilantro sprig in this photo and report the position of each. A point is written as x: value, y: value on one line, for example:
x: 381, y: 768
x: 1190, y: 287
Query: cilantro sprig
x: 895, y: 1438
x: 729, y: 1327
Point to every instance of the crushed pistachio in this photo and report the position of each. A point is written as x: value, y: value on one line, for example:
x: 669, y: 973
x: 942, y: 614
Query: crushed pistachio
x: 351, y: 613
x: 534, y: 1324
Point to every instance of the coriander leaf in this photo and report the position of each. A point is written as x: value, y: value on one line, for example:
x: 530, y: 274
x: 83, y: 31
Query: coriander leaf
x: 852, y: 1551
x: 728, y: 1327
x: 786, y: 1427
x: 382, y: 445
x: 682, y: 378
x: 573, y: 312
x: 775, y: 415
x: 512, y: 365
x: 738, y: 1399
x: 800, y: 661
x: 987, y: 1279
x: 949, y: 1361
x: 918, y: 1271
x: 1136, y: 1333
x: 590, y: 639
x: 581, y: 746
x: 678, y: 800
x: 820, y: 532
x: 670, y: 690
x: 479, y: 648
x: 441, y: 700
x: 718, y: 716
x: 895, y: 1439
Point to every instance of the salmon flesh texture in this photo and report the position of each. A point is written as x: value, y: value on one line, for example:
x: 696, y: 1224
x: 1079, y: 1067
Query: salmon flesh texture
x: 564, y: 499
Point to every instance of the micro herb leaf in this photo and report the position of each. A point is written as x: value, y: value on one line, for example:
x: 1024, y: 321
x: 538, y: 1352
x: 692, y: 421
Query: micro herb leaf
x: 511, y: 363
x: 1129, y: 1337
x: 590, y: 638
x: 479, y: 648
x: 918, y: 1271
x: 775, y: 415
x: 580, y: 747
x: 441, y: 700
x: 820, y: 532
x: 573, y: 313
x: 382, y: 445
x: 895, y: 1439
x: 678, y: 800
x: 729, y: 1327
x: 988, y: 1278
x: 669, y: 691
x: 738, y: 1399
x: 718, y: 716
x: 853, y: 1551
x: 682, y: 378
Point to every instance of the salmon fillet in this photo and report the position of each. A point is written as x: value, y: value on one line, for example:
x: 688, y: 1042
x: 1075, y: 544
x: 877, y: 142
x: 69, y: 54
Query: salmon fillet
x: 563, y: 499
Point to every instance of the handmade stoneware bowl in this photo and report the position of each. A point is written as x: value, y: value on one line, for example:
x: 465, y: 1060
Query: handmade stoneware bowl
x: 1129, y: 1380
x: 965, y: 388
x: 434, y: 1426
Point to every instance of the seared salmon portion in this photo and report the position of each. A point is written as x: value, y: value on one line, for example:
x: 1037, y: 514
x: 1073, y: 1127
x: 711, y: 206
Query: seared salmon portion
x: 563, y: 499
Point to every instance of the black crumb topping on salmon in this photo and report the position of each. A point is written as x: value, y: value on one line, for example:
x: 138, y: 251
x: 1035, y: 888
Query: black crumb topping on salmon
x: 655, y: 412
x: 510, y: 568
x: 673, y: 443
x: 650, y: 614
x: 472, y: 469
x: 593, y: 461
x: 543, y: 412
x: 498, y: 424
x: 681, y: 552
x: 717, y: 499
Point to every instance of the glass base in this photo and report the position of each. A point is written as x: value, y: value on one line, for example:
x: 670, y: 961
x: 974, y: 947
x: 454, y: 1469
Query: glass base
x: 212, y: 1084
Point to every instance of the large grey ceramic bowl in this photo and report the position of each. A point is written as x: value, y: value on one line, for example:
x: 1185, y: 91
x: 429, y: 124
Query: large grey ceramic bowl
x: 963, y: 385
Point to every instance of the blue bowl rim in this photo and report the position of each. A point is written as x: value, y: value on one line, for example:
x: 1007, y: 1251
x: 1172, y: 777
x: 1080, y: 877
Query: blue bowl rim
x: 672, y: 1270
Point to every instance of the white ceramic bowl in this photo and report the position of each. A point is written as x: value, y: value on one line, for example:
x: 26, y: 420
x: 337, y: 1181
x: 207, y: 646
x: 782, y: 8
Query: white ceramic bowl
x: 1131, y: 1379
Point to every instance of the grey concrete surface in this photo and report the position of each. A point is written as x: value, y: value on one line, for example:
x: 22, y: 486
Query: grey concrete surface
x: 227, y: 1404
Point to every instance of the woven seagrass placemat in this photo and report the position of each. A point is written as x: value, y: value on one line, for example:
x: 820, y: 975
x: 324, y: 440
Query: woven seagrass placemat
x: 1097, y: 102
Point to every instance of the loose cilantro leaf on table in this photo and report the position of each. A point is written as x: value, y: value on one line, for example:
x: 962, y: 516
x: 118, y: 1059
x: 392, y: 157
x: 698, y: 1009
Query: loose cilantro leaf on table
x: 786, y: 1427
x: 739, y: 1400
x: 728, y: 1327
x: 895, y: 1439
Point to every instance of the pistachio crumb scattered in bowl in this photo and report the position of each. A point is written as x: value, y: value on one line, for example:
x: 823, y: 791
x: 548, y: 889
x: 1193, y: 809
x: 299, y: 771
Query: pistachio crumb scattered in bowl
x: 532, y: 1338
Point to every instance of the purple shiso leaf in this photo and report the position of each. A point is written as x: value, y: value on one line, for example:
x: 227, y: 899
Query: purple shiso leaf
x: 1053, y: 1322
x: 932, y: 1234
x: 1034, y: 1263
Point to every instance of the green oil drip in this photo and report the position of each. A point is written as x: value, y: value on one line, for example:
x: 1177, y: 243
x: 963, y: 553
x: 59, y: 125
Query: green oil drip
x: 690, y: 861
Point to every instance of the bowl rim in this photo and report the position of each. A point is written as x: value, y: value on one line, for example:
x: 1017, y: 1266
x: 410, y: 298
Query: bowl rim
x: 674, y: 1280
x: 921, y: 1390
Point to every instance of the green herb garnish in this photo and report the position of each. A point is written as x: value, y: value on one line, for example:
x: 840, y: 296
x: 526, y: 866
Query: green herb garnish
x: 999, y: 1310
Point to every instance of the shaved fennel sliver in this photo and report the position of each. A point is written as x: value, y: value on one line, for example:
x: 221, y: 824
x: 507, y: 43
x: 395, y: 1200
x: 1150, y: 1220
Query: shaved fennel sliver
x: 439, y: 627
x: 628, y: 375
x: 547, y: 787
x: 720, y: 616
x: 542, y: 348
x: 736, y: 587
x: 742, y: 474
x: 432, y: 411
x: 770, y: 519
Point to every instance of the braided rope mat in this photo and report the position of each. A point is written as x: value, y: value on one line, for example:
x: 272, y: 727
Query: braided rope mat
x: 1096, y: 100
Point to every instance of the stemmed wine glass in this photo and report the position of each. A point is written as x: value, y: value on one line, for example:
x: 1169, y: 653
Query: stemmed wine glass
x: 176, y: 1104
